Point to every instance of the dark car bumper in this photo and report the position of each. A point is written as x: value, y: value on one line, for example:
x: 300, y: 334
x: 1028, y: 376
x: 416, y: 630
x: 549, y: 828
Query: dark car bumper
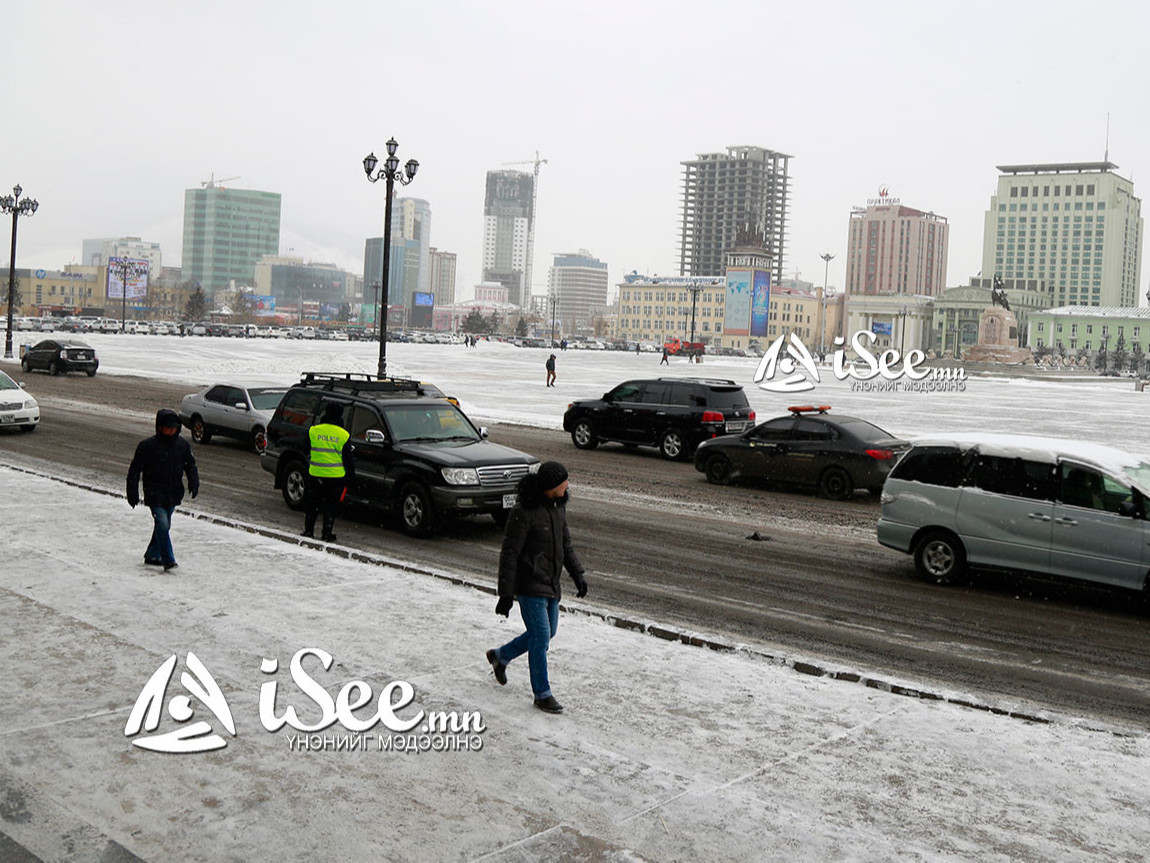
x: 468, y: 499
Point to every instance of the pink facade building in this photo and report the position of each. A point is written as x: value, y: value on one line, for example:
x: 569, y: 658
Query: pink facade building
x: 894, y: 249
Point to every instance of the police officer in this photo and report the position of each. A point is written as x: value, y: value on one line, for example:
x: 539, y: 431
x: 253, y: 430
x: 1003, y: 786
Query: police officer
x: 331, y: 469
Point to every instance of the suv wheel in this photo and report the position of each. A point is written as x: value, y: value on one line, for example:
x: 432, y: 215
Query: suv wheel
x: 294, y: 484
x: 673, y: 445
x: 835, y: 483
x: 259, y: 439
x: 718, y: 469
x: 415, y: 512
x: 583, y: 435
x: 26, y: 365
x: 940, y: 558
x: 91, y: 373
x: 200, y: 433
x: 53, y: 368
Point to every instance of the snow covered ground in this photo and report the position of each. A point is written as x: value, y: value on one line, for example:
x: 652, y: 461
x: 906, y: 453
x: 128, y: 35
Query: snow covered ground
x: 666, y: 752
x: 497, y: 382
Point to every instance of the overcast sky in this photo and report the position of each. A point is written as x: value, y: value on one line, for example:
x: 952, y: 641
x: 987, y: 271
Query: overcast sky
x: 112, y: 110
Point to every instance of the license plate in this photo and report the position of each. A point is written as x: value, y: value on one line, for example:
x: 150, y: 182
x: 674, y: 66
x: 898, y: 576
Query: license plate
x: 736, y: 426
x: 11, y: 418
x: 509, y: 500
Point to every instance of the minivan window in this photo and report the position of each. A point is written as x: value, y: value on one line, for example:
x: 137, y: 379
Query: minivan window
x: 1016, y: 477
x: 935, y: 465
x: 1085, y: 487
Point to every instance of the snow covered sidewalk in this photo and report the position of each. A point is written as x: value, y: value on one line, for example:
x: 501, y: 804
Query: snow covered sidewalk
x: 665, y: 751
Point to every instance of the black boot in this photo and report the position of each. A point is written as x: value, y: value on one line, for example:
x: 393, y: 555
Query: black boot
x: 328, y: 524
x: 309, y: 525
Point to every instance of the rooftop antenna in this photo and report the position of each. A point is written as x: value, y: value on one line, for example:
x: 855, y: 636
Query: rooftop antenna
x: 1106, y: 151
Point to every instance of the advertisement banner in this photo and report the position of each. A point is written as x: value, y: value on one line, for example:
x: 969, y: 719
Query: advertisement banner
x: 881, y: 328
x: 131, y: 270
x: 737, y: 319
x: 761, y: 302
x: 263, y: 306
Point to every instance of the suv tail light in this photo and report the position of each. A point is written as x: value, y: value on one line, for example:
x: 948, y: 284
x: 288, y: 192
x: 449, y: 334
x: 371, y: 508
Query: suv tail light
x: 713, y: 417
x: 751, y: 417
x: 880, y: 454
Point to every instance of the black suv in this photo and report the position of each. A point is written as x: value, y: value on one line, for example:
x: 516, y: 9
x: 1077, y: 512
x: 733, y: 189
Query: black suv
x: 673, y: 414
x: 415, y: 455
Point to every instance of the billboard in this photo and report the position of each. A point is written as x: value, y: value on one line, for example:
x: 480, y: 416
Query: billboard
x: 421, y: 309
x: 737, y: 319
x: 761, y: 302
x: 262, y: 306
x: 131, y: 270
x: 422, y: 299
x: 881, y: 328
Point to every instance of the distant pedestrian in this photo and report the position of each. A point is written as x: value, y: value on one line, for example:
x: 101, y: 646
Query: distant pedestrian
x: 551, y: 371
x: 331, y: 469
x: 536, y: 548
x: 666, y: 354
x: 163, y: 461
x: 563, y: 344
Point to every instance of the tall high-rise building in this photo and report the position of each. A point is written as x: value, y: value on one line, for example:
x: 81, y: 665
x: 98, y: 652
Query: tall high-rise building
x: 892, y: 249
x: 442, y: 281
x: 226, y: 232
x: 508, y: 213
x: 409, y: 265
x: 725, y: 193
x: 1077, y: 225
x: 577, y: 283
x: 96, y: 253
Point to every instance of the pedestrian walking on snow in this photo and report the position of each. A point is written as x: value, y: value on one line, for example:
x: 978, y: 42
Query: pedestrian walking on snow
x: 536, y: 548
x: 551, y: 371
x: 331, y: 469
x: 666, y: 353
x: 163, y: 461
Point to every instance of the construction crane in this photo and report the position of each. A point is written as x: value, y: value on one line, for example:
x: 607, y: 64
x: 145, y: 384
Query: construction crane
x: 531, y: 227
x: 214, y: 183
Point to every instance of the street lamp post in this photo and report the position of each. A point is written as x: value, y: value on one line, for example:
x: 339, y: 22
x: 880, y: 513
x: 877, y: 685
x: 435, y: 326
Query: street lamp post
x: 553, y: 319
x: 12, y: 204
x: 124, y: 268
x: 903, y: 312
x: 827, y: 258
x: 375, y: 286
x: 389, y: 172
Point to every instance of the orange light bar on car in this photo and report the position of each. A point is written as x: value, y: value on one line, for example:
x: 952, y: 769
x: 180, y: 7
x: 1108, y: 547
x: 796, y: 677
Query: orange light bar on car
x: 809, y: 409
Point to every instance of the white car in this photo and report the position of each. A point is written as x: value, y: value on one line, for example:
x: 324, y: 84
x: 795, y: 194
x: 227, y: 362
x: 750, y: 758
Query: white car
x: 17, y: 408
x: 231, y: 410
x: 136, y: 327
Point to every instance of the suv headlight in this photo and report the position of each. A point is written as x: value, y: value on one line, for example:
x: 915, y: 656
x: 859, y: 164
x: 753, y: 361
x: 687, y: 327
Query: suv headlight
x: 460, y: 475
x: 534, y: 468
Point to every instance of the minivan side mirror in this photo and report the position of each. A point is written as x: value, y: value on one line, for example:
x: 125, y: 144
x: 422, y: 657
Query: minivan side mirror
x: 1128, y: 509
x: 483, y: 432
x: 242, y: 406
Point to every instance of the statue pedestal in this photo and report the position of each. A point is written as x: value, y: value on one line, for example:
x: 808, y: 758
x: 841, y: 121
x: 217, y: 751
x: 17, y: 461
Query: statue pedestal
x: 998, y: 339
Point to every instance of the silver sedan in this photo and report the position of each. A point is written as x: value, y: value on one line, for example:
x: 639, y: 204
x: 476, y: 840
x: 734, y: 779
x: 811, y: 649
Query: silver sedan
x: 231, y: 410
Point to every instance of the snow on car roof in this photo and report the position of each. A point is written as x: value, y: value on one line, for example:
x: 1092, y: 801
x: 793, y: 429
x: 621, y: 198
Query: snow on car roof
x: 1036, y: 446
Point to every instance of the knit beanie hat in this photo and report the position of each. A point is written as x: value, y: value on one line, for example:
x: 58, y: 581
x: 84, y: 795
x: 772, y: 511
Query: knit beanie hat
x: 550, y: 475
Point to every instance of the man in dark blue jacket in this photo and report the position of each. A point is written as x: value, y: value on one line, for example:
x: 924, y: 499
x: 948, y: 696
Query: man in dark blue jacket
x: 536, y: 548
x: 163, y: 460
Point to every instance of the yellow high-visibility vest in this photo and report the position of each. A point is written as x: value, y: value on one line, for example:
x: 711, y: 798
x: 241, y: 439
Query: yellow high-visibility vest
x: 327, y: 442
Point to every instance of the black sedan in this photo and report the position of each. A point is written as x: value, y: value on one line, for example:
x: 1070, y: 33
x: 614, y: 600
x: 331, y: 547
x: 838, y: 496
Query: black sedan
x: 805, y: 448
x: 61, y: 355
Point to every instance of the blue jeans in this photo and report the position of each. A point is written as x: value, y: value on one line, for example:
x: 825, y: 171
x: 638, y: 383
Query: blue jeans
x: 541, y: 617
x: 160, y: 548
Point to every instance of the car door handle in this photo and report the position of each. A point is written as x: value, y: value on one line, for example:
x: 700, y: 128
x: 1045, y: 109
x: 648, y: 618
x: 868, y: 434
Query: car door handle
x: 1067, y: 521
x: 1038, y: 516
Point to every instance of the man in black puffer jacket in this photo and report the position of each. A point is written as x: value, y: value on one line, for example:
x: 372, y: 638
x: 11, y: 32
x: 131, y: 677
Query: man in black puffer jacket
x: 163, y: 460
x: 536, y: 548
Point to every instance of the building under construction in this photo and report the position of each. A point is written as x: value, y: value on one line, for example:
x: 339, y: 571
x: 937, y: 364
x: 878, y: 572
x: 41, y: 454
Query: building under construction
x: 726, y: 193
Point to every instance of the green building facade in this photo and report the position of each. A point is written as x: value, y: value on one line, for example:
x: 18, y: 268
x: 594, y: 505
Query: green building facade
x: 226, y: 232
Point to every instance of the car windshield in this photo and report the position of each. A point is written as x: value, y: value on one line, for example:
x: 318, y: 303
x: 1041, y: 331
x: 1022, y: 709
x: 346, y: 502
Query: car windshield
x: 429, y: 422
x: 6, y: 383
x: 1139, y: 473
x: 266, y: 398
x: 863, y: 430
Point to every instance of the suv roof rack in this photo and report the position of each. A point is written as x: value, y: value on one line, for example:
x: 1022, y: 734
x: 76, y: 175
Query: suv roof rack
x: 358, y: 382
x: 722, y: 382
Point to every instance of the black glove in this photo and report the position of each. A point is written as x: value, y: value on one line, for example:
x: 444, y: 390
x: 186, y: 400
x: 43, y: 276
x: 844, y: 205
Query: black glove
x: 195, y: 491
x: 504, y: 605
x: 580, y: 585
x: 132, y: 501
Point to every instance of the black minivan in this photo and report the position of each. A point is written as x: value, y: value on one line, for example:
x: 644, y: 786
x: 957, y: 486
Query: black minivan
x: 673, y: 414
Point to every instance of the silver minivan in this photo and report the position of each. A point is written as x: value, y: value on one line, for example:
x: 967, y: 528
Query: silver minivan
x: 1020, y: 503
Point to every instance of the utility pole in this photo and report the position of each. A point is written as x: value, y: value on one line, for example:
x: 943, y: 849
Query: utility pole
x: 827, y: 258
